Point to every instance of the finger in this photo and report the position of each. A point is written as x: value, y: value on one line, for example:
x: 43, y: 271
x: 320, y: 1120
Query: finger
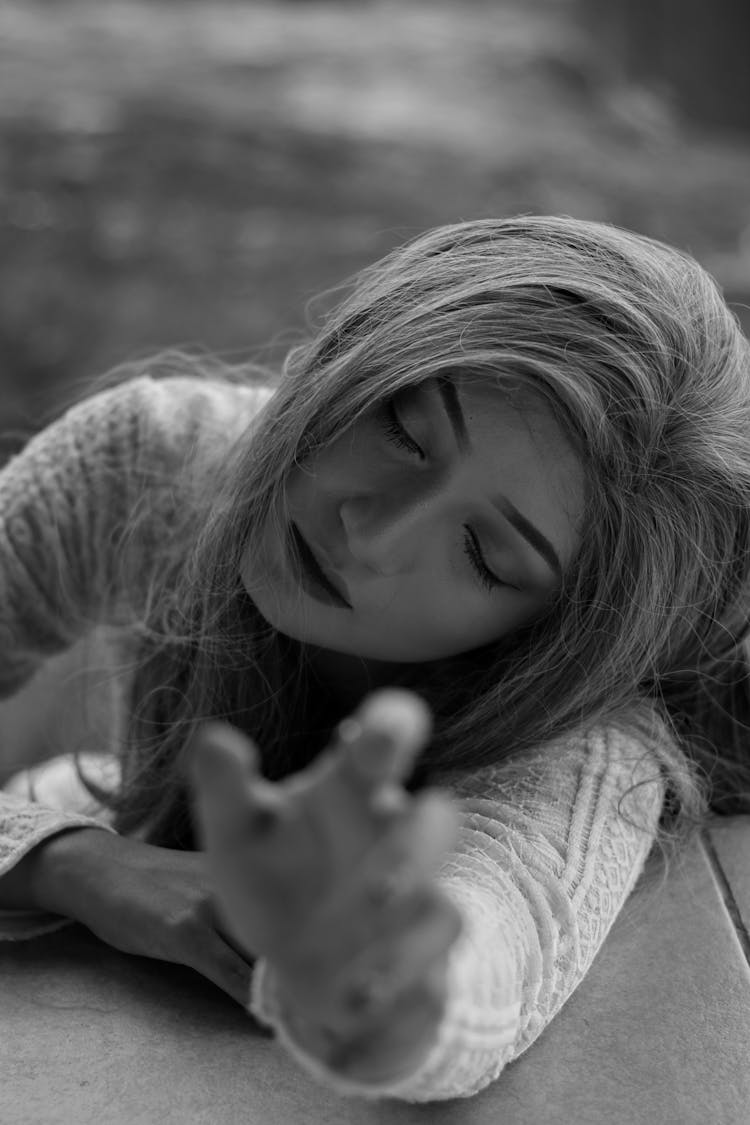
x: 220, y: 755
x: 408, y: 856
x: 360, y: 906
x: 231, y: 799
x: 216, y: 960
x: 415, y: 847
x: 379, y: 744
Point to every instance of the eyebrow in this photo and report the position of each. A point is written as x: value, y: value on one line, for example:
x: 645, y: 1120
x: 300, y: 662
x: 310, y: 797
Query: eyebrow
x: 541, y: 544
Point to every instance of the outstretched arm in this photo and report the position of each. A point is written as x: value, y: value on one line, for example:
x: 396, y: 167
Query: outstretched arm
x: 541, y: 864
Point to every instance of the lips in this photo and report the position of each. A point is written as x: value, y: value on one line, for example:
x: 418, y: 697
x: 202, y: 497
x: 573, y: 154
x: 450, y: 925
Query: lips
x: 329, y: 575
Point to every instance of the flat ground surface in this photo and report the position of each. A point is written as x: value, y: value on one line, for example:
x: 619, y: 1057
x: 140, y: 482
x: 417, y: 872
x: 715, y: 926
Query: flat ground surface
x: 658, y: 1031
x: 192, y: 173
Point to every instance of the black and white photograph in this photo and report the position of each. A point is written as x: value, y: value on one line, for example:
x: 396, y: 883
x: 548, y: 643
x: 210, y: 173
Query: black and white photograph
x: 374, y: 562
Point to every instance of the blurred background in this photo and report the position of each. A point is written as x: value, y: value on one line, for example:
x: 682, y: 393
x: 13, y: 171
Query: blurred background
x: 187, y: 173
x: 192, y: 174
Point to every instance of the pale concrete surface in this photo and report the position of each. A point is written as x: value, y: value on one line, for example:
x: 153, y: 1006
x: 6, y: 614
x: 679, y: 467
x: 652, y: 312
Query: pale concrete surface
x: 659, y: 1032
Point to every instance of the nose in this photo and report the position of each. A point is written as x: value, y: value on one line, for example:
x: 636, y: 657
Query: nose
x: 386, y: 537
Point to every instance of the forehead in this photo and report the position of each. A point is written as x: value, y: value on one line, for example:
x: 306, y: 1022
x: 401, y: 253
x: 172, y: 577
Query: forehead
x: 522, y: 449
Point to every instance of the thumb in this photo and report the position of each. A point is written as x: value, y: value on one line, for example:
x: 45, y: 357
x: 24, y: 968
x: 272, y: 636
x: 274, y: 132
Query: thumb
x: 383, y: 738
x: 229, y: 797
x: 220, y: 756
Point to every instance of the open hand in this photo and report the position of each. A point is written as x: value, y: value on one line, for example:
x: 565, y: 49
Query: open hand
x: 330, y: 874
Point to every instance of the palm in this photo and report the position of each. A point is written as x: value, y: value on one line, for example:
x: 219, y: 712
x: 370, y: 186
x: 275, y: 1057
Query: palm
x: 292, y: 863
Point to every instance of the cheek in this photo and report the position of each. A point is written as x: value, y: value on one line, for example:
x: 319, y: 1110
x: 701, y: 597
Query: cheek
x: 460, y: 624
x: 435, y: 626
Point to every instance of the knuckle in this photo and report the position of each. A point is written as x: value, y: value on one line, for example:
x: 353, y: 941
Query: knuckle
x: 185, y: 923
x: 433, y: 993
x: 389, y: 804
x: 425, y: 905
x: 440, y: 917
x: 420, y: 990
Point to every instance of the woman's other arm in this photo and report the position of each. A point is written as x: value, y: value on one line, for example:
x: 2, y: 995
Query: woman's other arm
x: 63, y: 499
x: 65, y: 503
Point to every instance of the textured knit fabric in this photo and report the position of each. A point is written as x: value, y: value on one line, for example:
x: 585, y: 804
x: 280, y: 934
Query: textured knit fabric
x: 547, y: 856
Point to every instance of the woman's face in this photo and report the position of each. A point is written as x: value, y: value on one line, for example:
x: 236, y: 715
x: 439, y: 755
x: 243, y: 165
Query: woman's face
x: 399, y: 527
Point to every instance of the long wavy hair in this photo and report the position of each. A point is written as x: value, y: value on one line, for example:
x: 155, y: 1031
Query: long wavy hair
x: 631, y: 346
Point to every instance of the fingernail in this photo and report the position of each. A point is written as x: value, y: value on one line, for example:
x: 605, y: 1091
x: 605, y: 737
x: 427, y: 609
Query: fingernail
x: 396, y: 714
x: 375, y: 751
x: 349, y: 731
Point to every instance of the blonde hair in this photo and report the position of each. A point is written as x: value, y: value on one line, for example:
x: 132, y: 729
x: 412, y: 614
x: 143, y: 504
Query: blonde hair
x: 631, y: 346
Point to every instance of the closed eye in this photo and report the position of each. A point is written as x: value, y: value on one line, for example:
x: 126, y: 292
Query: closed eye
x: 398, y: 436
x: 396, y: 433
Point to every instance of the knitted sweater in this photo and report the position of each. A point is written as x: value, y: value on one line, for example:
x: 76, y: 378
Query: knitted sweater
x: 545, y: 858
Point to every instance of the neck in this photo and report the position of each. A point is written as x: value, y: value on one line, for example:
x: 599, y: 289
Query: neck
x: 347, y: 679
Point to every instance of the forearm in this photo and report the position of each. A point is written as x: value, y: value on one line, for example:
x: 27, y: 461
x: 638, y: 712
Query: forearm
x: 49, y: 877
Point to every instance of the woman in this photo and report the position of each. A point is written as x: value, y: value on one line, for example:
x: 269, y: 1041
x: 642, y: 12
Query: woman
x: 494, y: 517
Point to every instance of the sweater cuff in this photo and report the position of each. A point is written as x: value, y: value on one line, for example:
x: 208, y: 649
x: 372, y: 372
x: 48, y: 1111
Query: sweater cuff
x: 18, y: 925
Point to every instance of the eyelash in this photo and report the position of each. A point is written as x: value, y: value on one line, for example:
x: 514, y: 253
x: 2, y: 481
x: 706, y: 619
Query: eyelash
x: 397, y: 435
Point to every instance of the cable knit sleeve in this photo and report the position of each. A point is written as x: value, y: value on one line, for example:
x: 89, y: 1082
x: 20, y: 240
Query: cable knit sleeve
x: 544, y: 864
x: 63, y: 499
x: 59, y: 514
x: 67, y: 563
